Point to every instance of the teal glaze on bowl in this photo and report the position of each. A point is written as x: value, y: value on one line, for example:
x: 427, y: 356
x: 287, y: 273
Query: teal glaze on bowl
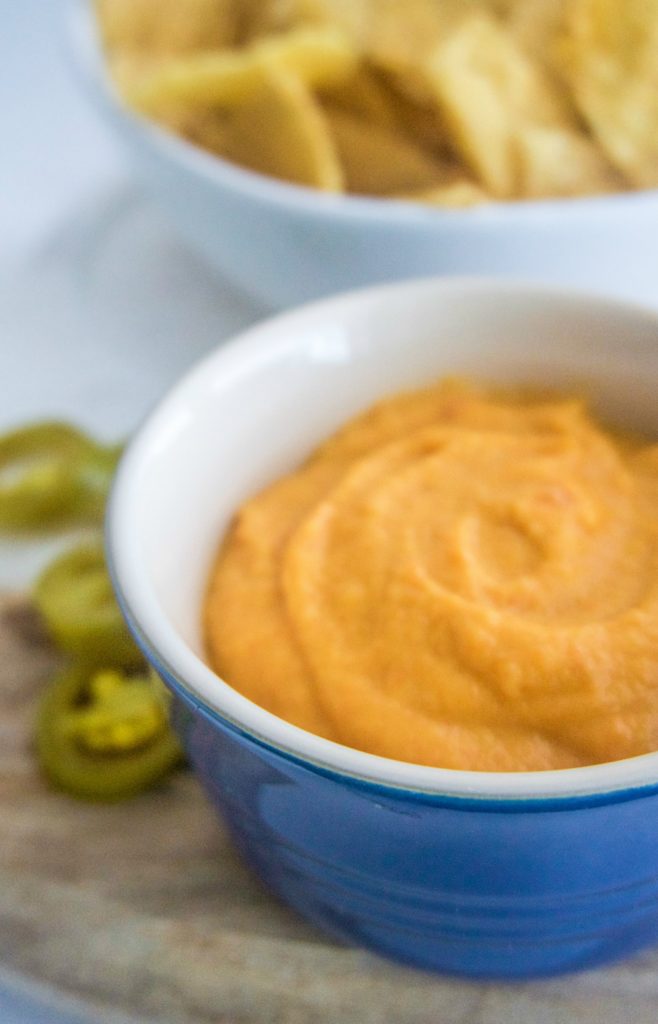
x: 486, y: 875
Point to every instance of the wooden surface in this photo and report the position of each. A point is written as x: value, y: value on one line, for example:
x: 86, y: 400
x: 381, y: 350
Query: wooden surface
x: 145, y: 909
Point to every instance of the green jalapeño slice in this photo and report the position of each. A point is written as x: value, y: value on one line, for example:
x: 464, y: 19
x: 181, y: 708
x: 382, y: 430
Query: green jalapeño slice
x: 104, y: 735
x: 52, y: 474
x: 75, y: 597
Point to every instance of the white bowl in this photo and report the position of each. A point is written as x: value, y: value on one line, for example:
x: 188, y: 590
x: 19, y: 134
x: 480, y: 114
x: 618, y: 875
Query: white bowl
x: 286, y: 244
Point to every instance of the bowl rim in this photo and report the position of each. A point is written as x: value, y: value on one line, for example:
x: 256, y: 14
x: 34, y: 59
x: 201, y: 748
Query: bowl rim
x: 86, y: 50
x: 217, y: 697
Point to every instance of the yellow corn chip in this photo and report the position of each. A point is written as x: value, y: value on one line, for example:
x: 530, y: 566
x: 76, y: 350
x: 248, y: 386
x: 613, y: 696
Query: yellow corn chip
x: 319, y: 56
x: 495, y: 98
x: 504, y: 8
x: 264, y: 17
x: 372, y: 95
x: 455, y: 195
x: 553, y: 161
x: 535, y: 24
x: 393, y: 35
x: 378, y: 160
x: 451, y: 102
x: 281, y: 131
x: 168, y: 26
x: 421, y: 120
x: 611, y: 63
x: 403, y: 34
x: 364, y: 95
x: 354, y: 17
x: 130, y: 68
x: 206, y: 129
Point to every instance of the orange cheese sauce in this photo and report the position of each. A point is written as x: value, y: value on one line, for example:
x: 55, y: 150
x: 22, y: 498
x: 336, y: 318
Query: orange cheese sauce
x: 457, y: 578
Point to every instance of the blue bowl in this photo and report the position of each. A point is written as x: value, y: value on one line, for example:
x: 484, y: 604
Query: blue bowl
x: 486, y: 875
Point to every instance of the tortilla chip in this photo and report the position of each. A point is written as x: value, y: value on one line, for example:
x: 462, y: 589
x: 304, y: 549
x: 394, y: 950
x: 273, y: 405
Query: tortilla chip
x: 318, y: 56
x: 378, y: 160
x: 465, y: 100
x: 392, y: 35
x: 168, y: 27
x: 281, y: 131
x: 553, y: 161
x: 456, y: 195
x: 264, y: 17
x: 403, y: 34
x: 495, y: 98
x: 421, y: 120
x: 535, y: 24
x: 364, y: 95
x: 131, y: 68
x: 354, y: 17
x: 322, y: 56
x: 206, y: 129
x: 373, y: 96
x: 610, y: 54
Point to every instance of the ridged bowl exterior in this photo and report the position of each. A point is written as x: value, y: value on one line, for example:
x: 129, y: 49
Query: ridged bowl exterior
x: 485, y: 889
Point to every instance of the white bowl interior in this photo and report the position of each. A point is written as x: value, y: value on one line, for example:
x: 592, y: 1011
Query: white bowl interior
x: 254, y: 409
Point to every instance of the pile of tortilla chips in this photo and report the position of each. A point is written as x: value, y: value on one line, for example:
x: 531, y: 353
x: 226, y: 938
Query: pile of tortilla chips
x: 448, y: 102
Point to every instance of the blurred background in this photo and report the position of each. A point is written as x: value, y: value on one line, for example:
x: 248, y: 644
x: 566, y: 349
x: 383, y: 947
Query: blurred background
x: 81, y: 255
x: 101, y: 307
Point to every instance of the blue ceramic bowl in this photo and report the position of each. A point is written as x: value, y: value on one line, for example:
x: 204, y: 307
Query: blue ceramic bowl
x: 489, y: 875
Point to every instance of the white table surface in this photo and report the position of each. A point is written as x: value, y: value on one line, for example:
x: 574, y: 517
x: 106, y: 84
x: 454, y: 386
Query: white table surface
x: 101, y: 308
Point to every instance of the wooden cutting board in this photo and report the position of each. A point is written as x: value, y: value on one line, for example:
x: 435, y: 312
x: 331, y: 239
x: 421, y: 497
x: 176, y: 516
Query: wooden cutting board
x: 145, y: 909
